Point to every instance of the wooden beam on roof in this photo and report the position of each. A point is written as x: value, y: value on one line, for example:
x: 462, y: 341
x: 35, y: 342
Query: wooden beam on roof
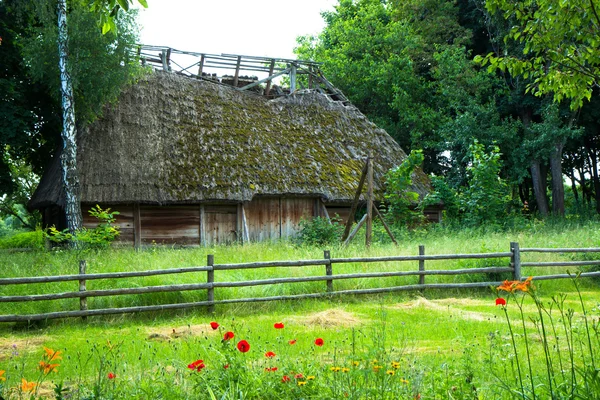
x: 271, y: 68
x: 356, y: 229
x: 237, y: 71
x: 269, y: 78
x: 350, y: 220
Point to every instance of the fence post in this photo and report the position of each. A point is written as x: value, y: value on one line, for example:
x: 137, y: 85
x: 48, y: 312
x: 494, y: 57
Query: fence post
x: 82, y: 300
x: 421, y: 265
x: 328, y: 270
x: 210, y: 279
x: 515, y: 260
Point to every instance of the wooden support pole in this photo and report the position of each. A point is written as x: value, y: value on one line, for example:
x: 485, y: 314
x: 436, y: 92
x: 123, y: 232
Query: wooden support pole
x: 324, y: 210
x: 422, y: 265
x: 82, y: 288
x: 385, y: 225
x: 163, y: 59
x: 350, y: 220
x: 137, y: 227
x: 210, y: 279
x: 236, y: 77
x: 328, y: 270
x: 293, y: 70
x: 201, y: 65
x: 515, y: 260
x: 245, y: 231
x: 169, y: 59
x: 202, y: 227
x: 356, y: 229
x: 369, y: 229
x: 271, y: 69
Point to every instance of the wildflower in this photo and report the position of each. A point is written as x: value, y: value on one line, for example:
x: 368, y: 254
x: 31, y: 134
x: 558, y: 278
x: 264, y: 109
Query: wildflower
x: 515, y: 286
x: 27, y: 386
x: 198, y: 365
x: 402, y: 380
x: 500, y: 301
x: 345, y: 369
x: 355, y: 363
x: 243, y: 346
x: 214, y: 325
x: 335, y: 369
x: 2, y: 373
x: 310, y: 377
x: 285, y: 378
x: 301, y: 383
x: 376, y: 368
x: 228, y: 335
x: 111, y: 375
x: 271, y: 369
x: 293, y: 341
x: 278, y: 325
x: 52, y: 355
x: 225, y: 366
x: 395, y: 364
x: 319, y: 342
x: 390, y: 372
x: 46, y: 368
x: 269, y: 354
x: 298, y: 376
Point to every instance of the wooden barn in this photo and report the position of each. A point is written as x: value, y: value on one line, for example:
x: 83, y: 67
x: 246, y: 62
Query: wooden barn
x: 189, y: 161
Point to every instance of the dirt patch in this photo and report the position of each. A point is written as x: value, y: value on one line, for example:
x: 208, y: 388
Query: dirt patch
x: 330, y: 319
x: 9, y: 347
x: 447, y: 305
x: 185, y: 331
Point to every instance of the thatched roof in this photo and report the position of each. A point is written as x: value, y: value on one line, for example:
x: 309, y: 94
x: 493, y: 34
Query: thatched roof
x: 172, y: 139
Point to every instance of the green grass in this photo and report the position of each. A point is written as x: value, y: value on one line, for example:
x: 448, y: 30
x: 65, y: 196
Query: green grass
x: 449, y: 343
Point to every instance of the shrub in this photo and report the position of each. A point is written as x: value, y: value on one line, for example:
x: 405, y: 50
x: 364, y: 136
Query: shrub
x: 22, y: 240
x: 98, y: 238
x: 320, y: 231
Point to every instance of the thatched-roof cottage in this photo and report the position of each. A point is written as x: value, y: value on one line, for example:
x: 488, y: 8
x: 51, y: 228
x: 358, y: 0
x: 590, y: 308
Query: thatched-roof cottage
x: 195, y: 162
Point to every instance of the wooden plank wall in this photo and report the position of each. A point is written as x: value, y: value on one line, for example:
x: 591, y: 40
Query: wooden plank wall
x: 220, y: 224
x: 170, y: 224
x: 268, y: 218
x: 124, y: 220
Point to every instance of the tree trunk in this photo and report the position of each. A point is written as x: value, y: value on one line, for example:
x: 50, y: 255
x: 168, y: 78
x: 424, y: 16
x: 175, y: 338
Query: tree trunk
x: 539, y: 189
x: 594, y: 172
x: 558, y: 187
x: 574, y: 186
x: 68, y: 158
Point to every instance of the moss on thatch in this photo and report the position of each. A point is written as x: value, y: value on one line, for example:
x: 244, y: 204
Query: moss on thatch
x: 172, y: 139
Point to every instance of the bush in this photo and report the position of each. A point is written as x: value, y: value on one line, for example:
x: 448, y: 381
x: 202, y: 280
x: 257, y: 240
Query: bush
x: 320, y: 231
x: 23, y: 240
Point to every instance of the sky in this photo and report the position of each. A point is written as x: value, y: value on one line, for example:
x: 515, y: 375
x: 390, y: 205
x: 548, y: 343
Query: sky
x: 256, y: 28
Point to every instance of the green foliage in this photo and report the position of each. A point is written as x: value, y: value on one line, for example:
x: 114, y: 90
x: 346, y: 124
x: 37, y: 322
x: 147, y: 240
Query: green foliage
x: 100, y: 65
x: 23, y: 240
x: 100, y: 237
x: 402, y: 202
x: 320, y: 231
x: 559, y: 46
x: 109, y: 9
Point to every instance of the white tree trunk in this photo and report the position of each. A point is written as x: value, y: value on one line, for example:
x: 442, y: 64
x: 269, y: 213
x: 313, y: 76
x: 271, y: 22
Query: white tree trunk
x: 68, y: 159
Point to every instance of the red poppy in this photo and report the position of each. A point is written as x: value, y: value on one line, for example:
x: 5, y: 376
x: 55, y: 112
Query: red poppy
x: 226, y: 366
x: 271, y: 369
x: 111, y: 375
x: 197, y: 365
x: 278, y: 325
x: 293, y: 341
x: 319, y: 342
x: 298, y: 376
x: 285, y: 378
x: 243, y: 346
x: 214, y: 325
x: 269, y: 354
x: 228, y: 335
x: 500, y: 301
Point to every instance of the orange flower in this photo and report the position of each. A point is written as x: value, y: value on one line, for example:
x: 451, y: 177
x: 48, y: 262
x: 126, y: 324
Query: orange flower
x: 27, y: 386
x: 2, y: 373
x: 269, y: 354
x: 52, y: 355
x: 293, y: 341
x: 515, y: 286
x: 46, y: 368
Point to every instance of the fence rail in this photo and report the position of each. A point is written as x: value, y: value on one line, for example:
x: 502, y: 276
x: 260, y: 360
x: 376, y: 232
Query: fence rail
x: 512, y: 259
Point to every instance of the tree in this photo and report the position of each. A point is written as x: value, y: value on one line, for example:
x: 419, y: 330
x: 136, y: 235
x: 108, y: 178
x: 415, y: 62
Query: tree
x: 560, y: 45
x: 96, y: 79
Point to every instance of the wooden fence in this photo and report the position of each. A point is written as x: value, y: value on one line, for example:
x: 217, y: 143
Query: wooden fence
x: 513, y: 266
